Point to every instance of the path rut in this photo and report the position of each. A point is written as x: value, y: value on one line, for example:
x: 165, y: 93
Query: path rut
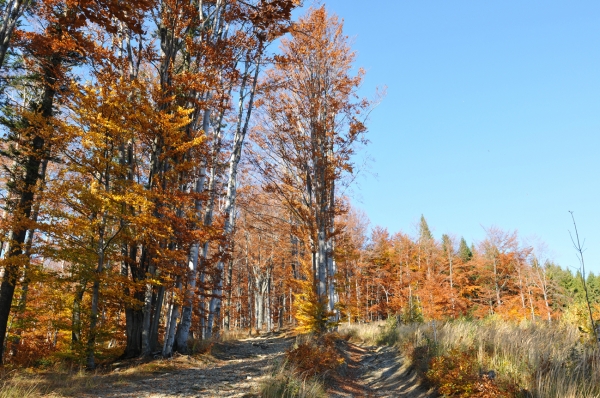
x: 378, y: 372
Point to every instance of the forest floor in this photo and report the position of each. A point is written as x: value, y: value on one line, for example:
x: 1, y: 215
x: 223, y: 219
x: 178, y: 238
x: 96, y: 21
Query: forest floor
x: 236, y: 368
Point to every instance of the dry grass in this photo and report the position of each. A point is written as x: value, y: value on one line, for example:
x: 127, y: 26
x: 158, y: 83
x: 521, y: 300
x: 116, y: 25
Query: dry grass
x: 59, y: 382
x: 18, y: 389
x: 234, y: 335
x: 544, y: 360
x: 365, y: 333
x: 284, y: 382
x: 28, y: 383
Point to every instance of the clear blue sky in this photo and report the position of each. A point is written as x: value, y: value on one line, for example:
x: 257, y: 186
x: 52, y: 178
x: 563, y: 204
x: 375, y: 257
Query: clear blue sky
x: 492, y: 117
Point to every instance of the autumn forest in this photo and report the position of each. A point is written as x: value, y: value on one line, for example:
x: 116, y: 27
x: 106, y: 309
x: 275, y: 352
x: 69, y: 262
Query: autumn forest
x: 173, y: 171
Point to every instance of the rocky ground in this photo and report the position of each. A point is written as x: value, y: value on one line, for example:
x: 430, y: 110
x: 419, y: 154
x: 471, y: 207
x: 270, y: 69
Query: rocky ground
x: 237, y: 368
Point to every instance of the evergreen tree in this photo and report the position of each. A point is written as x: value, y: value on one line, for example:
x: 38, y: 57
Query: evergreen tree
x: 593, y: 285
x: 447, y: 244
x: 464, y: 252
x: 424, y: 231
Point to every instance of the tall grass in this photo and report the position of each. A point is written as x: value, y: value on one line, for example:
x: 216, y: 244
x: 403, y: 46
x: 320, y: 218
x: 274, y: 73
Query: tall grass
x: 31, y: 383
x: 375, y: 333
x: 18, y: 389
x: 545, y: 360
x: 284, y: 382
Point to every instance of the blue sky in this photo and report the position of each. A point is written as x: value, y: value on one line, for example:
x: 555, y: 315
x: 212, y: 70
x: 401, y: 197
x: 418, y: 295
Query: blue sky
x: 492, y: 117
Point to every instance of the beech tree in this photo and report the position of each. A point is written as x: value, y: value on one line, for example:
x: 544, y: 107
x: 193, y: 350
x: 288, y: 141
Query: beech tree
x: 49, y: 52
x: 310, y: 122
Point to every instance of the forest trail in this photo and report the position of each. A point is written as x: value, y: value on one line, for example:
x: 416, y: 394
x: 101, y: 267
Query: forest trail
x: 236, y: 372
x: 377, y: 372
x: 239, y: 367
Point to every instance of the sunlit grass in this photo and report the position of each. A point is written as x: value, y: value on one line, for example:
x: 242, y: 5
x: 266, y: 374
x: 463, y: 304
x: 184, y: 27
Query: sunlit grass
x: 545, y: 360
x: 284, y: 382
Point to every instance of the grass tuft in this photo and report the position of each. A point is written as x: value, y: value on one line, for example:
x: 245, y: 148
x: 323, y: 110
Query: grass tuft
x: 15, y: 388
x: 285, y: 382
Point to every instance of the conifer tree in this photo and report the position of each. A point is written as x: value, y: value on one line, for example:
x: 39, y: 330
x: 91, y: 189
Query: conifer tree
x: 464, y: 252
x: 424, y: 231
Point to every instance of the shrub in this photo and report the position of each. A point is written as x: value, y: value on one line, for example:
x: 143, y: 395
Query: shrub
x: 312, y: 357
x: 457, y: 375
x: 546, y: 360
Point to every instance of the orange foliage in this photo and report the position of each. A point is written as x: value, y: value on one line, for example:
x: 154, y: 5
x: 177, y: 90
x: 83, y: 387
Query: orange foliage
x: 457, y: 375
x: 316, y: 356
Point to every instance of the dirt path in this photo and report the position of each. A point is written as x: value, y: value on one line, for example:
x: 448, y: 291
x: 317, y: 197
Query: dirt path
x: 237, y: 372
x: 377, y: 372
x: 238, y: 367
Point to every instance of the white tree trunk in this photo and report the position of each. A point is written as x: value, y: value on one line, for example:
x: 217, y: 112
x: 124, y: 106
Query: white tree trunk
x: 234, y: 160
x: 186, y: 315
x: 13, y: 11
x: 174, y: 316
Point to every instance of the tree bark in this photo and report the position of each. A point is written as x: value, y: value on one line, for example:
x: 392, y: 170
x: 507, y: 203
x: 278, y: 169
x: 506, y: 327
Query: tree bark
x: 13, y: 11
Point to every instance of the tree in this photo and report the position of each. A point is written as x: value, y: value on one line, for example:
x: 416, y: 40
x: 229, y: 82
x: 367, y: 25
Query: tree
x: 308, y: 127
x: 464, y: 252
x: 424, y: 231
x: 49, y: 52
x: 12, y: 11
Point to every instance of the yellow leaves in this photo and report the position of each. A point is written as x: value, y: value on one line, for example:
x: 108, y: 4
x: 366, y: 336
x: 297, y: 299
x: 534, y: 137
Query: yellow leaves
x: 310, y: 311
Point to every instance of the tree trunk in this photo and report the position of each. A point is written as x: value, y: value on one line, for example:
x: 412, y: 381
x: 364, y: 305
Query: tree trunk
x: 269, y: 314
x: 22, y: 306
x: 186, y: 312
x: 168, y: 324
x: 13, y: 12
x: 134, y: 325
x: 156, y: 319
x: 76, y: 315
x: 147, y: 311
x: 229, y: 288
x: 236, y: 153
x: 23, y: 207
x: 259, y: 304
x: 170, y: 334
x: 96, y: 290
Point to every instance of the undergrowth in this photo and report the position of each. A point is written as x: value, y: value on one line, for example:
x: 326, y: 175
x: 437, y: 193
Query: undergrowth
x: 308, y: 364
x: 61, y: 379
x: 18, y: 389
x: 494, y: 358
x: 285, y: 382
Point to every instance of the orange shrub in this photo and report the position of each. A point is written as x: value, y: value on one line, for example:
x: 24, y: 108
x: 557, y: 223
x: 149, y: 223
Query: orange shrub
x: 457, y: 375
x: 315, y: 357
